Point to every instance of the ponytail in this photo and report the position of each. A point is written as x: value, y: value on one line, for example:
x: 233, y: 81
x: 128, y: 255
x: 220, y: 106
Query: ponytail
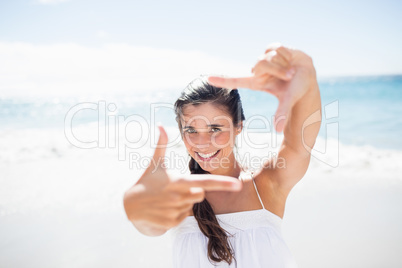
x: 219, y: 248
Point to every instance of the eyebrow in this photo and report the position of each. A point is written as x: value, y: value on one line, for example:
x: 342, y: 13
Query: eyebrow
x: 213, y: 125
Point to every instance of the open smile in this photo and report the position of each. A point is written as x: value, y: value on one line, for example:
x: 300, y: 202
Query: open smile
x: 207, y: 157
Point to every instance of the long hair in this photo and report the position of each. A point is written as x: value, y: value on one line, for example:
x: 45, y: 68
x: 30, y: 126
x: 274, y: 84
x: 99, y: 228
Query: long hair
x: 199, y: 91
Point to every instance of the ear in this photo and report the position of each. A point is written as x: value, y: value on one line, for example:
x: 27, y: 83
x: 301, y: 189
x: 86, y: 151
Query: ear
x: 239, y: 128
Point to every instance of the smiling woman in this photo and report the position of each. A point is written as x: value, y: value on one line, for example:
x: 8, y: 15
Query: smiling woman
x: 216, y: 222
x: 210, y: 118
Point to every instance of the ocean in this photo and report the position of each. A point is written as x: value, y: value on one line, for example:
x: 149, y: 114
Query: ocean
x: 65, y: 163
x: 367, y: 109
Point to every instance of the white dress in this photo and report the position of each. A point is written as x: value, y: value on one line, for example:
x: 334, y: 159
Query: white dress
x: 256, y: 239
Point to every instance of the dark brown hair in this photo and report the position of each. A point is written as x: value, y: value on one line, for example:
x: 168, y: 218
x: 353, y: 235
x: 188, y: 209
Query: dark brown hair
x: 199, y: 91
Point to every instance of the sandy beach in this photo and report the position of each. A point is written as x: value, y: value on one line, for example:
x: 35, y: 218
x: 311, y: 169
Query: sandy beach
x: 61, y: 206
x: 83, y: 85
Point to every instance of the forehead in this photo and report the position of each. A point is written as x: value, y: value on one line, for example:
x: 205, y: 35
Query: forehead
x: 205, y: 114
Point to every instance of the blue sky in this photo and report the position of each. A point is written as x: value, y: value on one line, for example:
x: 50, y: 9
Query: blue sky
x: 343, y: 37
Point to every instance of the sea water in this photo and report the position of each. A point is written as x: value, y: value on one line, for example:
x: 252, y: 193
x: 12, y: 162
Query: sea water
x: 66, y: 162
x: 367, y: 109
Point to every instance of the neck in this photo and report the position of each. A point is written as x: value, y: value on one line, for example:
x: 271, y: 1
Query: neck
x: 231, y: 169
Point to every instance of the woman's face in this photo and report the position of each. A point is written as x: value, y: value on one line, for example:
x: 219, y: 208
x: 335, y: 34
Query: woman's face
x: 209, y: 136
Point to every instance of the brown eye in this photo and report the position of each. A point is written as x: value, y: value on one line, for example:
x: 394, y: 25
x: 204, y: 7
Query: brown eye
x: 190, y: 131
x: 215, y: 129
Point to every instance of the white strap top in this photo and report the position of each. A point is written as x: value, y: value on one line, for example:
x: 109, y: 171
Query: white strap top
x: 255, y: 186
x: 255, y: 236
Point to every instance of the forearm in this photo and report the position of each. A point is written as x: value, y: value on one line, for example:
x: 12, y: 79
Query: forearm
x: 304, y: 122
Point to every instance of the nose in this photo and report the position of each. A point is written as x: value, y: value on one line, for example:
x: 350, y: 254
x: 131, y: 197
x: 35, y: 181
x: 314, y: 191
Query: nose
x: 201, y: 141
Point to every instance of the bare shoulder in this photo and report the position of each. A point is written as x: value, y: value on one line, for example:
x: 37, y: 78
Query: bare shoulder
x: 272, y: 196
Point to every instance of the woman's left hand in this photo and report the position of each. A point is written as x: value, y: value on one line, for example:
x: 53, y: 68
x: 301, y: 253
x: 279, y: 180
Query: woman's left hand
x: 285, y: 73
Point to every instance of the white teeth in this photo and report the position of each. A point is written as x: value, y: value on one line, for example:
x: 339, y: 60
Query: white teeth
x: 206, y: 155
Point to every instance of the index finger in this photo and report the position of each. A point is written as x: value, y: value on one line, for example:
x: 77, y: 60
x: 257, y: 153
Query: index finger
x: 231, y: 82
x: 210, y: 182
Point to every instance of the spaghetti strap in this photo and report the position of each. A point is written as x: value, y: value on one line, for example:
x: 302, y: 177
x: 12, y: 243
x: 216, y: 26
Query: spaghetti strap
x: 255, y: 186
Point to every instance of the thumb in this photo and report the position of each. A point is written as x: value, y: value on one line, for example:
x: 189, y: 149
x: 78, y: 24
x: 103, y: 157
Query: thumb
x: 159, y: 154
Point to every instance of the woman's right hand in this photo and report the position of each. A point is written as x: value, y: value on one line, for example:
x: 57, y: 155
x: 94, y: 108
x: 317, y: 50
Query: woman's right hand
x: 158, y: 202
x: 284, y: 72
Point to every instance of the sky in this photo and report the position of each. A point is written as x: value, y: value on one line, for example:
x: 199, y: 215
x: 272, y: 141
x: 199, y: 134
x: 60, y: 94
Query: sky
x: 72, y: 46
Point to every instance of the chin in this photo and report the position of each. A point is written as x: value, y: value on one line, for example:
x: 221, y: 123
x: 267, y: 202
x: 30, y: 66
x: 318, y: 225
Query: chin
x: 208, y: 167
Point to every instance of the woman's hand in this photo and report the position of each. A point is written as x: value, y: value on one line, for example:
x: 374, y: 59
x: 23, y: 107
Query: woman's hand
x: 158, y: 202
x: 285, y: 73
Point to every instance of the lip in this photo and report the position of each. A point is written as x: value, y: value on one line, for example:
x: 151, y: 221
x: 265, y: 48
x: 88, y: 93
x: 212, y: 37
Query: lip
x: 209, y: 158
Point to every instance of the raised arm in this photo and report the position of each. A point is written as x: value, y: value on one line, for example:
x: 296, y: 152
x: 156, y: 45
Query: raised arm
x: 289, y: 75
x: 300, y: 132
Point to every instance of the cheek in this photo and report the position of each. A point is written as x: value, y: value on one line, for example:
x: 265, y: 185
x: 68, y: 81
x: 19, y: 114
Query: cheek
x: 223, y: 140
x: 187, y: 144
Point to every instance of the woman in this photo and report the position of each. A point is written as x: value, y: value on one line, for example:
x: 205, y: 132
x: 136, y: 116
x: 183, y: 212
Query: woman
x: 218, y: 220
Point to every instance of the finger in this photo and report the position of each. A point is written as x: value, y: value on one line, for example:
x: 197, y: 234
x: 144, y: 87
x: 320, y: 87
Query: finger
x: 212, y: 182
x: 174, y: 217
x: 174, y: 212
x: 272, y: 46
x: 267, y: 67
x: 284, y: 52
x: 167, y: 220
x: 185, y: 208
x: 281, y: 114
x: 231, y: 82
x: 275, y: 58
x: 280, y: 60
x: 181, y: 196
x: 155, y: 218
x: 160, y: 149
x: 196, y: 195
x: 182, y: 216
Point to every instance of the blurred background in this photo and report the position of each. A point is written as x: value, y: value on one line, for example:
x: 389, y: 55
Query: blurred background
x: 82, y: 84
